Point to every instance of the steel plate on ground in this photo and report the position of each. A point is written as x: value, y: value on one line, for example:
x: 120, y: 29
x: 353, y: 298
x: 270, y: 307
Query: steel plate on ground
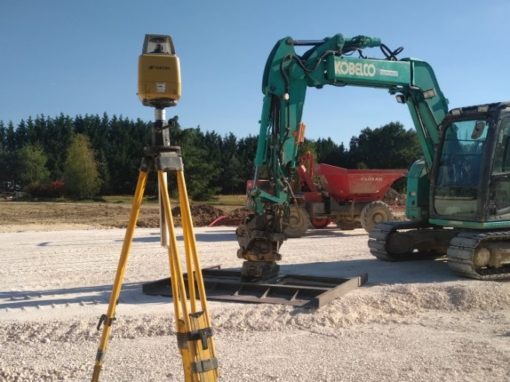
x: 297, y: 290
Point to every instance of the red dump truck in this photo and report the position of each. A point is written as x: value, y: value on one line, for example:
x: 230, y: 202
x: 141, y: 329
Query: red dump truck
x: 348, y: 197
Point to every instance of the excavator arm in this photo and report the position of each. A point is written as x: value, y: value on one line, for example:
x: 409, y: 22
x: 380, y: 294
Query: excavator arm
x: 337, y: 61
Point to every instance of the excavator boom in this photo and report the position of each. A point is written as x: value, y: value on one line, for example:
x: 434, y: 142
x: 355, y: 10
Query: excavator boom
x: 336, y: 61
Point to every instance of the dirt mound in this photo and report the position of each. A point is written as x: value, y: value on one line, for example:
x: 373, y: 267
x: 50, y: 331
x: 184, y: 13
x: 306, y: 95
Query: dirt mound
x: 233, y: 218
x: 239, y: 213
x: 202, y: 214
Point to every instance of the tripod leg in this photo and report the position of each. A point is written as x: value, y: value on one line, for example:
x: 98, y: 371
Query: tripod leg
x: 163, y: 229
x: 188, y: 246
x: 175, y: 264
x: 205, y: 367
x: 194, y: 334
x: 109, y: 317
x: 190, y: 234
x: 182, y: 317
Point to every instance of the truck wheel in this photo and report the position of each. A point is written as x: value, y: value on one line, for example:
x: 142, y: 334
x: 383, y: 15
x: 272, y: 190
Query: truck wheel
x: 297, y: 223
x: 374, y: 213
x: 320, y: 222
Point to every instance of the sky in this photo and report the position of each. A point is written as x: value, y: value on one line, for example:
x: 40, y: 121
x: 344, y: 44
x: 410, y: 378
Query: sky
x: 80, y: 57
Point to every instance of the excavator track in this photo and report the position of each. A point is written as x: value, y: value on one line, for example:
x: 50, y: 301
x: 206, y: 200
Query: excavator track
x: 459, y: 247
x: 380, y: 235
x: 377, y: 240
x: 462, y: 250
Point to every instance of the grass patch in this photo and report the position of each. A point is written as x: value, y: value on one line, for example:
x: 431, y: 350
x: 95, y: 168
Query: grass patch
x: 127, y: 199
x: 221, y: 200
x: 228, y: 200
x: 218, y: 200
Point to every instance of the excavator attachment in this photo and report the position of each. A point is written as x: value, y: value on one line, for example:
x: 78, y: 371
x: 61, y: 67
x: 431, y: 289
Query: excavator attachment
x: 297, y: 290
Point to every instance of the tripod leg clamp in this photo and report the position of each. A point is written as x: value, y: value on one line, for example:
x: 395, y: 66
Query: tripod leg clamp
x: 205, y: 365
x: 200, y: 334
x: 105, y: 320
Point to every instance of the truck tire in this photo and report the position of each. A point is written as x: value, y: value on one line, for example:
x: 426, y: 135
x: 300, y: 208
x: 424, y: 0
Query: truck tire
x: 374, y: 213
x: 297, y: 223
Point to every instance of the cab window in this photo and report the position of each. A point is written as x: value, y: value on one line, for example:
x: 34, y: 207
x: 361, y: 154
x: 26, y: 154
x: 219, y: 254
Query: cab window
x: 500, y: 179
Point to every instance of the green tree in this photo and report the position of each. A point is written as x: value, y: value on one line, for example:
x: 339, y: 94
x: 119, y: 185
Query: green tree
x: 81, y: 175
x: 307, y: 146
x: 247, y: 147
x: 213, y: 163
x: 10, y: 138
x: 200, y: 171
x: 31, y: 165
x: 331, y: 153
x: 388, y: 146
x: 8, y: 166
x: 230, y: 177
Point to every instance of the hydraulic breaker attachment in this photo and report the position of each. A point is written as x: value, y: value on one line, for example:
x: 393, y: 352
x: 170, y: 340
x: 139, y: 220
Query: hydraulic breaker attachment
x: 259, y: 247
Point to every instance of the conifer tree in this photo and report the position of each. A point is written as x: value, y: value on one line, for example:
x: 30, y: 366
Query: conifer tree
x: 31, y: 165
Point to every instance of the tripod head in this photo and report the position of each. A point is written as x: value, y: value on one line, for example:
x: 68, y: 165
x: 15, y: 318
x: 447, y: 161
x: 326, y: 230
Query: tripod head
x: 160, y: 150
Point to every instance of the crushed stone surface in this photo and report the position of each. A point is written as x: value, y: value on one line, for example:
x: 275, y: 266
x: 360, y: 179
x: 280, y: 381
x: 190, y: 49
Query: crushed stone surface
x: 413, y: 321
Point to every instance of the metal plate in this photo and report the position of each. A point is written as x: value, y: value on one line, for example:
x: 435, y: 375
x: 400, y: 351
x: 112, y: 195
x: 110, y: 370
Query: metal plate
x: 297, y: 290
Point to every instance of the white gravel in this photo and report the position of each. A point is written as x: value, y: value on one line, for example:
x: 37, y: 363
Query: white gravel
x: 413, y: 321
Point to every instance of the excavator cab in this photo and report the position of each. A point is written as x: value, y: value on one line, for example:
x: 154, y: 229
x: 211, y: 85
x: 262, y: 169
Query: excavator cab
x: 470, y: 192
x: 457, y: 191
x: 471, y: 172
x: 499, y: 186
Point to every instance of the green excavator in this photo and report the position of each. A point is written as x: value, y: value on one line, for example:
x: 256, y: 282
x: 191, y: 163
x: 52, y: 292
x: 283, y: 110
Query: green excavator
x: 458, y: 195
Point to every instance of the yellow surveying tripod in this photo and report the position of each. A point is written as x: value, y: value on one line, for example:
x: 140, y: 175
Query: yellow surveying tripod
x: 194, y: 332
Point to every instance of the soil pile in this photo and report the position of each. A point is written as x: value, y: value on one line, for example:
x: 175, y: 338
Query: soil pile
x: 202, y: 214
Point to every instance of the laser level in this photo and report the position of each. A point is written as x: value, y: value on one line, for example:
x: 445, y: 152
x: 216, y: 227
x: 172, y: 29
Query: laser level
x: 159, y: 72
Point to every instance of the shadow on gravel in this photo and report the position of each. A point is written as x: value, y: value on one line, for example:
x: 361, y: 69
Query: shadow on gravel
x: 333, y: 232
x: 379, y: 272
x: 100, y: 294
x: 209, y: 237
x: 229, y: 235
x: 425, y: 271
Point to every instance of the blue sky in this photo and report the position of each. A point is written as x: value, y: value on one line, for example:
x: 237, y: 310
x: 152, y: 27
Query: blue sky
x: 79, y: 57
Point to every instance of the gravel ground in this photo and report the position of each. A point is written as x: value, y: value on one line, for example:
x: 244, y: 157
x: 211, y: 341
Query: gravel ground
x: 413, y: 321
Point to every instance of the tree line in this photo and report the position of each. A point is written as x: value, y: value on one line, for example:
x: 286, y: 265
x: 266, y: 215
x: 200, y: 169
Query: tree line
x: 89, y: 155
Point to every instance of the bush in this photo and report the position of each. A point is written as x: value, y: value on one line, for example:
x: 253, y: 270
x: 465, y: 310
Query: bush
x: 46, y: 190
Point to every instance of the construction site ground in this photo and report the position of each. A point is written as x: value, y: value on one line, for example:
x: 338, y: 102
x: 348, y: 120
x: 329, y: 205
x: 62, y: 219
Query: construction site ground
x: 413, y: 321
x: 45, y: 215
